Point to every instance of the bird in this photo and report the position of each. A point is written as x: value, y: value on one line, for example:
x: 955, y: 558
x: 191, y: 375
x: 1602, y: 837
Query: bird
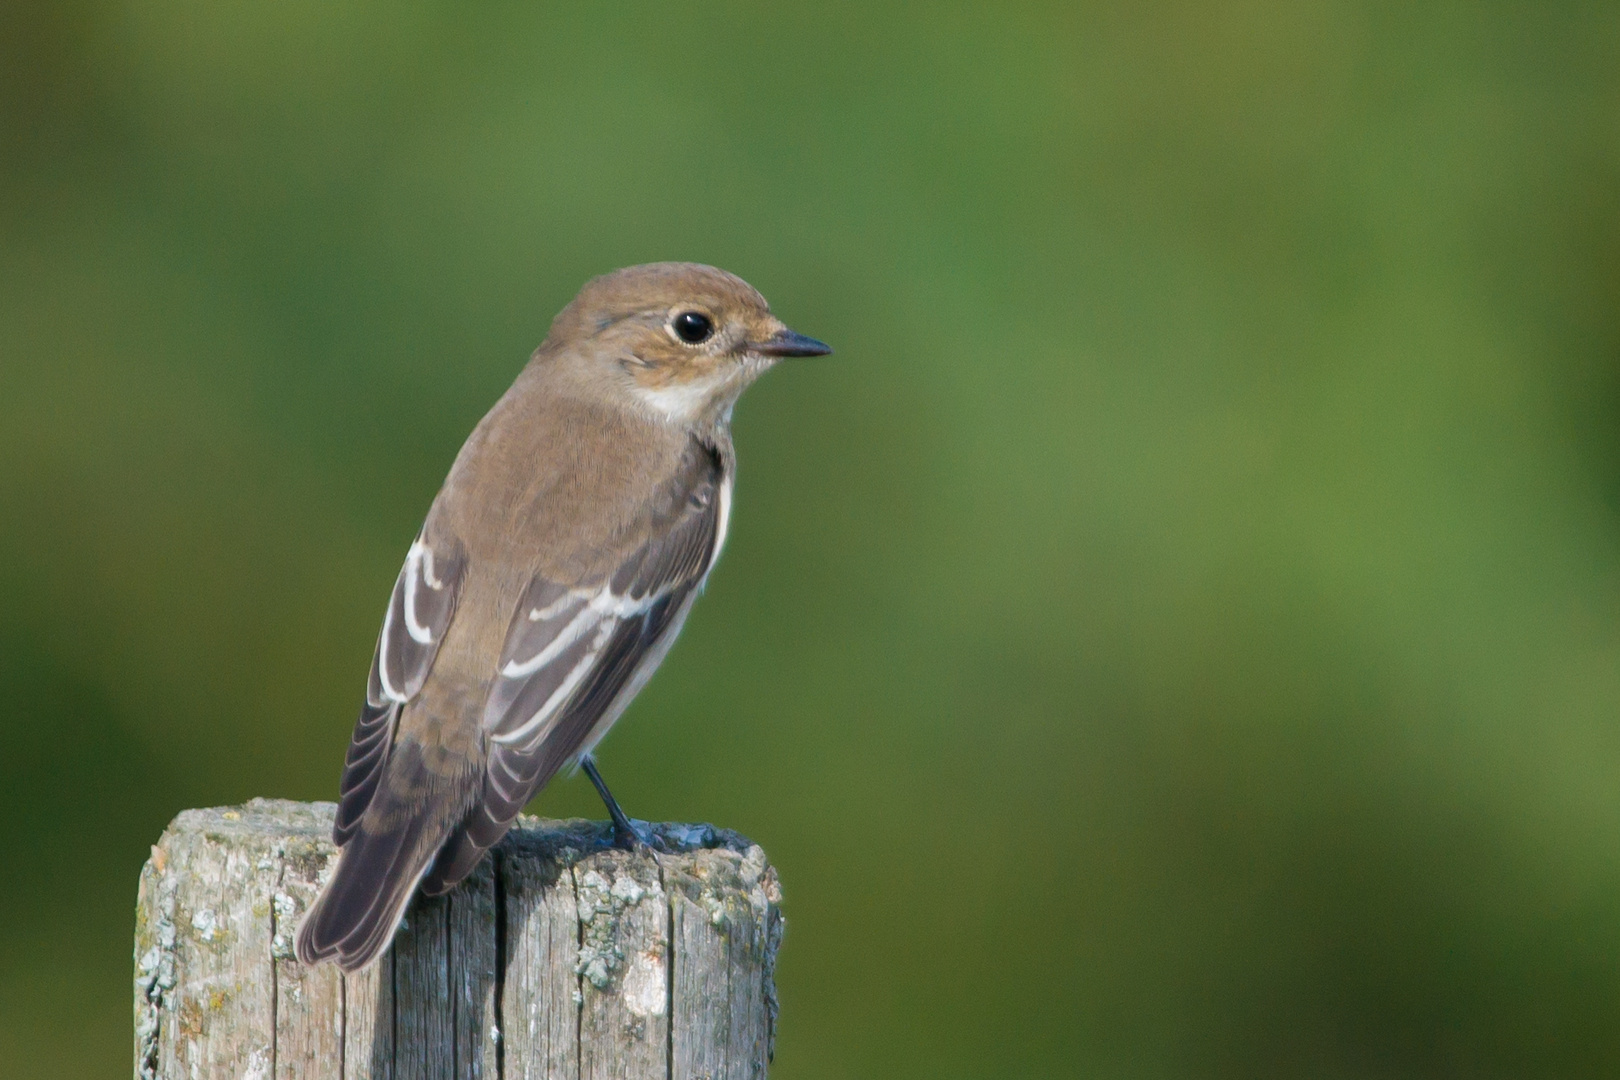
x: 551, y: 574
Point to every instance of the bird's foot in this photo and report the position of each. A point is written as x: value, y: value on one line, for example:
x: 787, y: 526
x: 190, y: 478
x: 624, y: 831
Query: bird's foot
x: 627, y: 835
x: 636, y: 836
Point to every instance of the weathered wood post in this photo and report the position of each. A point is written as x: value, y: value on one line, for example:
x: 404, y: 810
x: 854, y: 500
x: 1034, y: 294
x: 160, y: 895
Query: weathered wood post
x: 559, y: 957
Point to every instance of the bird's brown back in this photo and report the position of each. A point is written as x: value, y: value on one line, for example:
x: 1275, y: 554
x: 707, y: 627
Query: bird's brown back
x: 550, y: 484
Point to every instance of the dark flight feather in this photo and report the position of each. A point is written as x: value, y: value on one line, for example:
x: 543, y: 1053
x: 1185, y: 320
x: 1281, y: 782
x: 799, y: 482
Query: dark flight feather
x: 370, y: 888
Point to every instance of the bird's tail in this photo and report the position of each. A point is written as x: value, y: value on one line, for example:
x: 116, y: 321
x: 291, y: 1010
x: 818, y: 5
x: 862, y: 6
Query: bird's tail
x: 379, y: 866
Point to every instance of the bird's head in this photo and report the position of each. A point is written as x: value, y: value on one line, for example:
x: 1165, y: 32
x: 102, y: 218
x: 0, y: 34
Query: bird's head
x: 681, y: 339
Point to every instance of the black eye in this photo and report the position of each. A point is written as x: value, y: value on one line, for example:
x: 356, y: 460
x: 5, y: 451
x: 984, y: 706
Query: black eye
x: 693, y: 327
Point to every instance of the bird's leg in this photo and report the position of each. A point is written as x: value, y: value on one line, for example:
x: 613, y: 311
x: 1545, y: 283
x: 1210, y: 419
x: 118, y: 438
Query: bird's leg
x: 625, y: 835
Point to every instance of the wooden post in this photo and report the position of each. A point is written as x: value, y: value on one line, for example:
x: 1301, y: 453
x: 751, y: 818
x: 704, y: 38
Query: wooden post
x: 559, y: 957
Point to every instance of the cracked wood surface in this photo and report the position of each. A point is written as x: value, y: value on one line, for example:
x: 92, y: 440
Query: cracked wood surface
x: 560, y: 957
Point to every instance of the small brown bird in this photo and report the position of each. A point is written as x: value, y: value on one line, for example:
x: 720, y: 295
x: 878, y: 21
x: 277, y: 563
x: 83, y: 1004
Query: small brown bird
x: 554, y: 570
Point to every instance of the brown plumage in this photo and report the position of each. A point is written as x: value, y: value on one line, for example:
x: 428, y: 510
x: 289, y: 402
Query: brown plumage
x: 553, y: 572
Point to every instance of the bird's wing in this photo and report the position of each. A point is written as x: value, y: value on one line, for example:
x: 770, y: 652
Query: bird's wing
x: 572, y: 651
x: 419, y: 613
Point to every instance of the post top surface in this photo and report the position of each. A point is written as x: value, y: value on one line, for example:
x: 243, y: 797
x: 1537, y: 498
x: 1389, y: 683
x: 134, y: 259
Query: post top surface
x: 312, y: 821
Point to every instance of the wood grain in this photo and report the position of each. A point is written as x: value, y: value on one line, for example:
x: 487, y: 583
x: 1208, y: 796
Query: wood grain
x: 624, y: 967
x: 540, y: 994
x: 309, y: 1001
x: 725, y: 928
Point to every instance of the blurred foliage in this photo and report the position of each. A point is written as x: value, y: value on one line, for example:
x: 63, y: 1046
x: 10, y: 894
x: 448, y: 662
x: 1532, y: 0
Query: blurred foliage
x: 1177, y: 635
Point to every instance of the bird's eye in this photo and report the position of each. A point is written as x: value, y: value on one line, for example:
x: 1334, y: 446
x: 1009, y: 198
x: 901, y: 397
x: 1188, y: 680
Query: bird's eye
x: 693, y: 327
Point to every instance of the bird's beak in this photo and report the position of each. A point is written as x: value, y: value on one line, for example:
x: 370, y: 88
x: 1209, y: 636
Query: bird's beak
x: 787, y: 343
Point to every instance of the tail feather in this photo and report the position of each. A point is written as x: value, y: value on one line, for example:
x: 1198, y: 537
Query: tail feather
x: 476, y: 835
x: 455, y: 861
x: 356, y: 914
x: 511, y: 779
x: 379, y: 867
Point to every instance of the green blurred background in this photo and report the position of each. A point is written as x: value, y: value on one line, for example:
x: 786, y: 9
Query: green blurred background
x: 1177, y: 635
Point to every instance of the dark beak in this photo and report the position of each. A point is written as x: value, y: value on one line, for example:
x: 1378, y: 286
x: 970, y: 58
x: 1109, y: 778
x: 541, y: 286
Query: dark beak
x: 787, y: 343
